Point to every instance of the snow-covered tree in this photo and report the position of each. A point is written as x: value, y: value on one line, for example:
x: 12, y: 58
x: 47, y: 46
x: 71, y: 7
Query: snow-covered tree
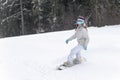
x: 18, y: 17
x: 9, y: 17
x: 42, y: 15
x: 11, y: 21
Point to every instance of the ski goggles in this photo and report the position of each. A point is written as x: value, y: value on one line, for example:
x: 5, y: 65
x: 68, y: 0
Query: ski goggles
x: 80, y: 21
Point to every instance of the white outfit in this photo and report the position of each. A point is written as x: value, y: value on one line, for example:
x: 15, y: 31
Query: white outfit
x: 75, y: 52
x: 82, y: 38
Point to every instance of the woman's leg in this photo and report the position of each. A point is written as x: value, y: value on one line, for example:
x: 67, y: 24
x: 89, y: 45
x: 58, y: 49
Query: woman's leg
x: 74, y: 52
x: 78, y: 54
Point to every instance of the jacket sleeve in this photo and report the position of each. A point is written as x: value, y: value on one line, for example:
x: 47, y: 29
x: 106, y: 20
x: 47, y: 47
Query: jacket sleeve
x: 72, y: 37
x: 86, y: 42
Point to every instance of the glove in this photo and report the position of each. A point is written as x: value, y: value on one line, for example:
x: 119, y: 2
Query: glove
x: 85, y: 47
x: 67, y: 41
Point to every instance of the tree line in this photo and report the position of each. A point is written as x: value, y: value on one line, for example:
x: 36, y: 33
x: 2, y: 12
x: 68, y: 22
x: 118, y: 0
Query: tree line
x: 21, y: 17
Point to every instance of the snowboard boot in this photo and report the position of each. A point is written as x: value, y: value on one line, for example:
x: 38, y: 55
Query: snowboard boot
x: 68, y: 64
x: 77, y: 61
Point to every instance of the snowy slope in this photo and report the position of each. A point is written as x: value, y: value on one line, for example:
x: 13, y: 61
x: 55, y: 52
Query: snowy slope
x: 35, y: 57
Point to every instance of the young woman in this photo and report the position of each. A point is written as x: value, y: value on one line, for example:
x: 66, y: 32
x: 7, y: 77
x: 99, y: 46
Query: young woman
x: 81, y: 34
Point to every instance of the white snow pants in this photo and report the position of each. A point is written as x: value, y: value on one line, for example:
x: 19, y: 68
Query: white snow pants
x: 75, y: 52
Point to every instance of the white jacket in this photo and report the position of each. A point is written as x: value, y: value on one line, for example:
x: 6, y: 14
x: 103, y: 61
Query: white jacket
x: 82, y: 36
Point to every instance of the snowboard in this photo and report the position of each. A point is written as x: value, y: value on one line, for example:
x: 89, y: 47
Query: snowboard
x: 62, y: 67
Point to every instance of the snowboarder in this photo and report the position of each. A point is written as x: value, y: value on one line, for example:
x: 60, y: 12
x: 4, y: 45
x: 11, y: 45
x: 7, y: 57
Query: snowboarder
x: 81, y: 34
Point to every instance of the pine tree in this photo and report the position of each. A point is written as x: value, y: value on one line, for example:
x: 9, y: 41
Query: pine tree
x: 19, y: 17
x: 9, y: 18
x: 42, y: 12
x: 105, y: 12
x: 27, y: 14
x: 11, y: 22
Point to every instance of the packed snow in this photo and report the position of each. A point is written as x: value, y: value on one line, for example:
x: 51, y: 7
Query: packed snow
x: 36, y: 57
